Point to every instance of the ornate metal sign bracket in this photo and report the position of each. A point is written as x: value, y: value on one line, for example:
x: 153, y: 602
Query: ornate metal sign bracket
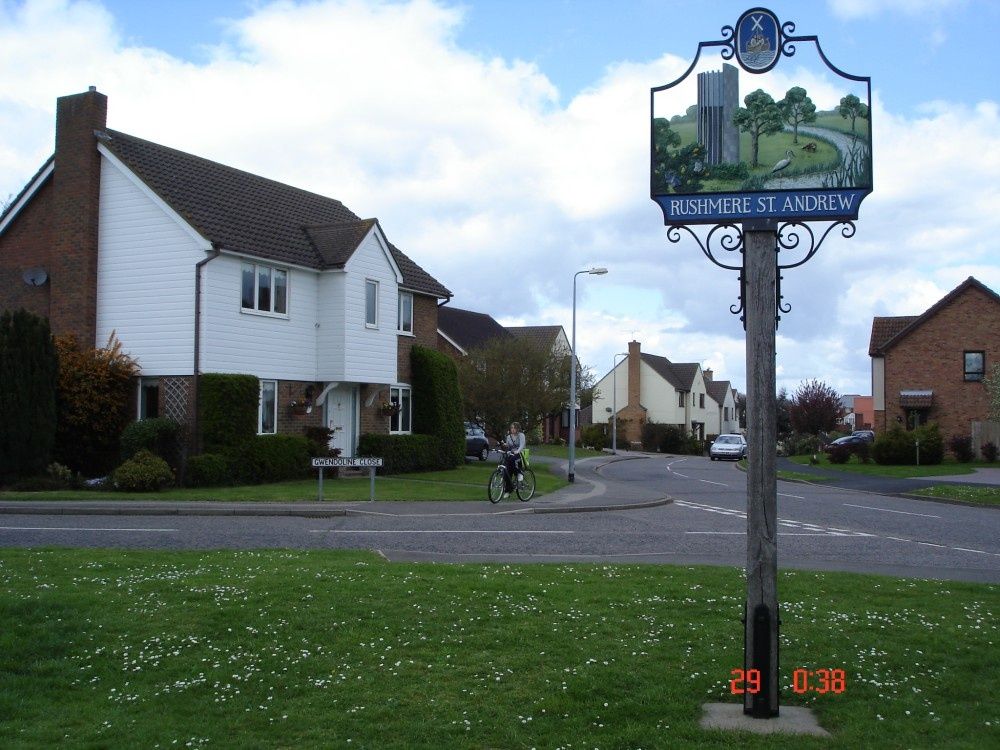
x: 790, y: 235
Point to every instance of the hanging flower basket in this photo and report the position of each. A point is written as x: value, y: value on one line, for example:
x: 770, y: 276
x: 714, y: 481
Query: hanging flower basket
x: 389, y: 409
x: 299, y: 407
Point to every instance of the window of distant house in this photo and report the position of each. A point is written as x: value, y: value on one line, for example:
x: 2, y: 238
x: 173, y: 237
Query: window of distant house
x: 701, y: 400
x: 149, y: 398
x: 975, y: 365
x: 680, y: 400
x: 267, y: 421
x: 400, y: 395
x: 264, y: 289
x: 725, y: 413
x: 371, y: 303
x: 405, y: 324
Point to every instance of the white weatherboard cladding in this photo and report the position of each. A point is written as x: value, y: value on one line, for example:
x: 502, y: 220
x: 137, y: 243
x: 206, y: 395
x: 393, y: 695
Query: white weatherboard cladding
x: 878, y: 383
x: 370, y: 353
x: 273, y: 347
x: 330, y: 335
x: 145, y: 277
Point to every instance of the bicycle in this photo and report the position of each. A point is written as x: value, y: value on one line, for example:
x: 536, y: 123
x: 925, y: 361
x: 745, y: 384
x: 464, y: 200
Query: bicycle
x: 524, y: 487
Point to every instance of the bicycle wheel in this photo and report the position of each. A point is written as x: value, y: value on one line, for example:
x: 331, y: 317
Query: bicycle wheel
x: 526, y: 487
x: 494, y: 490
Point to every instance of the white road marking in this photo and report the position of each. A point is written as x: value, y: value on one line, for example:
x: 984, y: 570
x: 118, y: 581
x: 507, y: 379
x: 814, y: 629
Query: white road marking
x: 797, y: 497
x: 72, y: 528
x: 709, y: 481
x: 428, y: 531
x: 886, y: 510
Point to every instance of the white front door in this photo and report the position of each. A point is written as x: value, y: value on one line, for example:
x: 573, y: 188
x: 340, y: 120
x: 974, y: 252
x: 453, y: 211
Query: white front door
x: 340, y: 418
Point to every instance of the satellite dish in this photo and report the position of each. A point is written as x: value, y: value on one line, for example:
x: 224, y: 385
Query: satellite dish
x: 35, y: 276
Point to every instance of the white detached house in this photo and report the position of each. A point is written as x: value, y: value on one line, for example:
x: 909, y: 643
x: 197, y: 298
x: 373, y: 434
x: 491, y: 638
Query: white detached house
x: 198, y: 268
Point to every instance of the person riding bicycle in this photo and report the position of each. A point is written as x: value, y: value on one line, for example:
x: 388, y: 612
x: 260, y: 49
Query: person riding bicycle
x: 514, y: 444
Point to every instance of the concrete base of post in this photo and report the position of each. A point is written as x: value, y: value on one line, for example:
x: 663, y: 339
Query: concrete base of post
x: 730, y: 717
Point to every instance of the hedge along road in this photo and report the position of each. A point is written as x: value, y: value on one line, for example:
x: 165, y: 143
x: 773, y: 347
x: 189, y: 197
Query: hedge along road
x: 819, y: 527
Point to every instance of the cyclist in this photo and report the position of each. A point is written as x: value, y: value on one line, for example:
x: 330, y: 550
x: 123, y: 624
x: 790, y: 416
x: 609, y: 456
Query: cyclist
x: 514, y: 443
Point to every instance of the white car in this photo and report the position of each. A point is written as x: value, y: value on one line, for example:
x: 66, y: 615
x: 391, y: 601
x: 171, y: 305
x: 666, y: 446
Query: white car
x: 733, y: 447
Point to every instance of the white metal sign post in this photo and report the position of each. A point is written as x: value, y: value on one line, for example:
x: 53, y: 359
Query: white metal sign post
x: 369, y: 462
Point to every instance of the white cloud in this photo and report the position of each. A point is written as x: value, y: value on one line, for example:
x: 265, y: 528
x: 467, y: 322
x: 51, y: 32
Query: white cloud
x: 476, y: 170
x: 852, y: 9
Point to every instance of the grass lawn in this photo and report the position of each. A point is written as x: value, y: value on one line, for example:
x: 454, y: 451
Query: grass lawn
x: 102, y: 648
x: 466, y: 482
x: 969, y: 493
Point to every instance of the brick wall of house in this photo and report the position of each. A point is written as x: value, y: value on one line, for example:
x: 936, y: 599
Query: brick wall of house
x: 931, y: 358
x: 425, y: 321
x: 25, y: 244
x: 295, y: 420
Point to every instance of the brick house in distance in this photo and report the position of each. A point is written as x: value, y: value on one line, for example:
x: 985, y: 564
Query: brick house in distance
x: 198, y: 267
x: 930, y: 367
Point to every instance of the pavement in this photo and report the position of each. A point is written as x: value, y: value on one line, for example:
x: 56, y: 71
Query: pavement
x: 590, y: 493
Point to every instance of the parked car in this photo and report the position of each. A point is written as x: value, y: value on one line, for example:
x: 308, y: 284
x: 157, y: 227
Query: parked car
x: 868, y: 435
x: 848, y: 440
x: 476, y: 443
x: 733, y: 447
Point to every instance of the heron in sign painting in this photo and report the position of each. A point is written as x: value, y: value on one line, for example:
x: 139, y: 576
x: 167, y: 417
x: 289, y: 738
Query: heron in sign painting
x: 783, y: 164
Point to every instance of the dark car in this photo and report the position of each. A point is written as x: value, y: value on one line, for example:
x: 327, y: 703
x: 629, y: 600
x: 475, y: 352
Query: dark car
x: 848, y: 440
x: 868, y: 435
x: 476, y: 443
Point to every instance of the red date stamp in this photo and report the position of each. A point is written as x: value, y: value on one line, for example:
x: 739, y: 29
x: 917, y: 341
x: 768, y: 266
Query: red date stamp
x: 819, y: 681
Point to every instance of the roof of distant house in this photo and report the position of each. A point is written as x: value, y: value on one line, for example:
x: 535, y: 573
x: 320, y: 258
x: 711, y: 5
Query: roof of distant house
x: 679, y: 374
x: 243, y: 212
x: 718, y: 390
x: 545, y: 336
x: 469, y: 329
x: 887, y: 332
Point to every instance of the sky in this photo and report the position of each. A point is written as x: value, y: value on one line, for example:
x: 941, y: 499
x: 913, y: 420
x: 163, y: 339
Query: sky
x: 504, y: 147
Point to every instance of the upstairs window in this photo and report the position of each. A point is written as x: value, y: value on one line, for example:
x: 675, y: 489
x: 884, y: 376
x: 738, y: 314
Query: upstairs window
x: 264, y: 289
x: 405, y: 324
x: 371, y: 303
x: 701, y: 400
x: 680, y: 400
x: 975, y: 366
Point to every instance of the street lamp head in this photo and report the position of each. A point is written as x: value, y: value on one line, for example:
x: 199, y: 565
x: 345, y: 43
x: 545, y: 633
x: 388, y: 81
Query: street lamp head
x: 598, y: 271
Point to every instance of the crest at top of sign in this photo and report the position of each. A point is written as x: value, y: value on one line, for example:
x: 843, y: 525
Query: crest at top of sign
x: 758, y: 40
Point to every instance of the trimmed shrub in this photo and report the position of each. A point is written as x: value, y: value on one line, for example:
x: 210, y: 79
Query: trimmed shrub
x: 144, y: 472
x: 228, y: 407
x: 863, y: 451
x: 319, y: 441
x: 898, y: 447
x: 403, y: 454
x: 270, y: 458
x: 931, y: 444
x: 596, y: 436
x: 839, y: 454
x: 437, y: 403
x: 961, y: 447
x: 208, y: 470
x: 158, y: 435
x: 802, y: 444
x: 93, y: 402
x: 989, y: 452
x: 28, y: 376
x: 665, y: 438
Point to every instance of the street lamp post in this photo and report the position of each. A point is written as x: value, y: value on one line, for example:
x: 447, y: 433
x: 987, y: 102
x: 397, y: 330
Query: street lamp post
x: 570, y: 475
x: 614, y: 402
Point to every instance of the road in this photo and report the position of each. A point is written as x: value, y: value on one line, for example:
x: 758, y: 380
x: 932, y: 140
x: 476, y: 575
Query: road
x: 819, y: 528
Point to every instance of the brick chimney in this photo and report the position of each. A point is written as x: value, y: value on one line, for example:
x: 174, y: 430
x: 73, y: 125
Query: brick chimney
x: 76, y: 182
x: 707, y: 374
x: 633, y: 374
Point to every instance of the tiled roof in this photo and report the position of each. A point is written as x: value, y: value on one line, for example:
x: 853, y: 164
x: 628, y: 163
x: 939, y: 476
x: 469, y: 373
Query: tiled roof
x: 545, y: 336
x: 718, y: 390
x: 679, y: 374
x: 686, y: 372
x: 469, y: 329
x: 884, y: 329
x: 887, y: 332
x: 246, y: 213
